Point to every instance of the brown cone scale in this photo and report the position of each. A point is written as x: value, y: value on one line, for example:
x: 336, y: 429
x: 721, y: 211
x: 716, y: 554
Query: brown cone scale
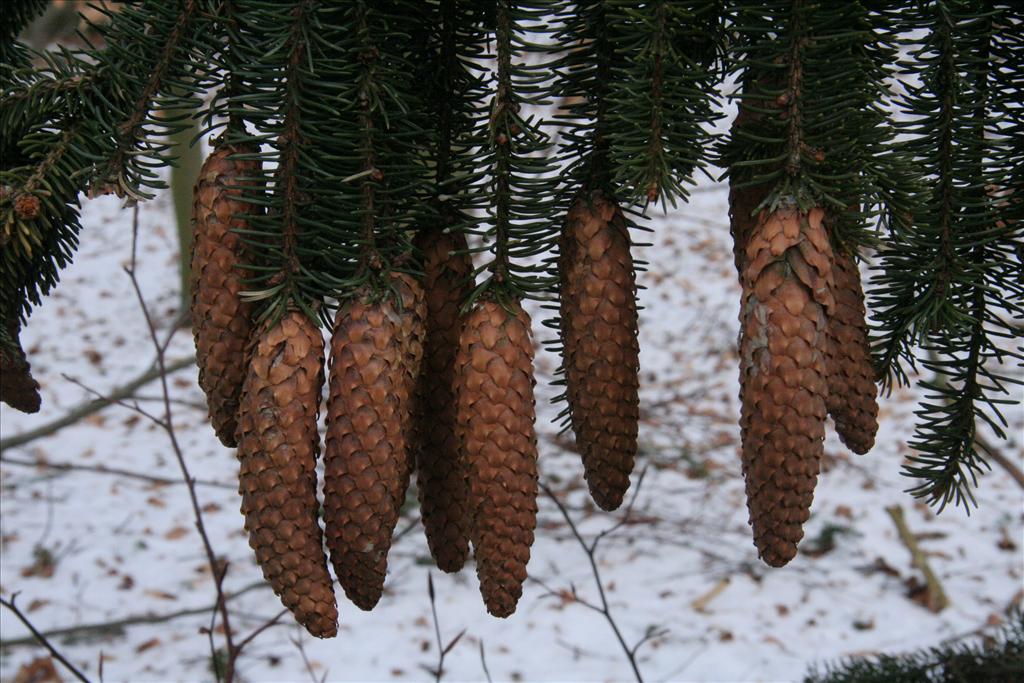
x: 598, y: 320
x: 440, y: 470
x: 18, y: 388
x: 278, y: 444
x: 787, y: 285
x: 412, y: 335
x: 373, y: 357
x: 851, y: 376
x: 494, y: 389
x: 221, y: 320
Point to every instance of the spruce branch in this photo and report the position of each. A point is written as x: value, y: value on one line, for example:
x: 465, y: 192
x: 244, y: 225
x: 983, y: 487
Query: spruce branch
x: 948, y: 283
x: 521, y: 214
x: 290, y: 145
x: 131, y: 135
x: 663, y: 71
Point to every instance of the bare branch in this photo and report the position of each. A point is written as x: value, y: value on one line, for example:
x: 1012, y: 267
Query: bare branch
x: 442, y: 649
x: 252, y: 636
x: 109, y: 626
x: 112, y: 471
x: 218, y: 568
x: 42, y: 639
x: 483, y: 662
x: 84, y: 410
x: 590, y: 549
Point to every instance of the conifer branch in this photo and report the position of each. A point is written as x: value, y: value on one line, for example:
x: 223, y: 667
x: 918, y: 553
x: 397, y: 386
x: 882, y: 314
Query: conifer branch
x: 290, y: 147
x: 501, y: 140
x: 129, y: 133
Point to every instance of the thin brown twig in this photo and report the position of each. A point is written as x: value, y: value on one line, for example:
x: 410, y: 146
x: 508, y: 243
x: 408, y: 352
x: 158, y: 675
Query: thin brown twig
x: 483, y: 662
x: 936, y: 599
x: 218, y: 568
x: 442, y: 649
x: 590, y: 549
x: 112, y: 471
x: 297, y: 642
x: 258, y: 630
x: 9, y: 604
x: 996, y: 454
x: 86, y: 409
x: 108, y: 626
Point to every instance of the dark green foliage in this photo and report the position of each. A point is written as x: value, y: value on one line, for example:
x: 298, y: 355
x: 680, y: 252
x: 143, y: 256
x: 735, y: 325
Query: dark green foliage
x: 86, y: 120
x: 999, y: 659
x: 522, y: 220
x: 639, y: 84
x: 812, y: 81
x: 950, y: 283
x: 452, y: 69
x: 668, y: 64
x: 16, y: 15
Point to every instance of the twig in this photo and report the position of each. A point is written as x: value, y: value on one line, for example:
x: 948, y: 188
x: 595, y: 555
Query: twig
x: 442, y: 649
x: 297, y: 642
x: 936, y: 599
x: 86, y: 409
x: 107, y: 626
x: 483, y: 662
x: 263, y: 627
x: 590, y: 549
x: 42, y: 638
x: 218, y: 568
x: 702, y: 602
x: 113, y: 471
x: 996, y: 454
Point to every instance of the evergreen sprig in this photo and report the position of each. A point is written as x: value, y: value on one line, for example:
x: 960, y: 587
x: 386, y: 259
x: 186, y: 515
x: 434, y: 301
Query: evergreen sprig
x: 665, y: 71
x: 86, y: 117
x: 454, y: 71
x: 999, y: 658
x: 584, y: 86
x: 813, y: 89
x: 950, y: 285
x: 522, y: 224
x: 17, y: 15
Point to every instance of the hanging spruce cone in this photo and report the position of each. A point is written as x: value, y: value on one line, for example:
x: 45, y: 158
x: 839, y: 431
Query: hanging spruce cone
x: 412, y: 321
x: 494, y: 389
x: 278, y: 444
x: 375, y: 351
x: 743, y: 220
x: 440, y: 471
x: 851, y: 376
x: 787, y: 284
x: 599, y: 338
x: 221, y: 320
x: 18, y: 388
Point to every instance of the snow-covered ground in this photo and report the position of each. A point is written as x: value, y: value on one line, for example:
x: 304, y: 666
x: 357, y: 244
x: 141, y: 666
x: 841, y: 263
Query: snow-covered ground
x: 82, y: 548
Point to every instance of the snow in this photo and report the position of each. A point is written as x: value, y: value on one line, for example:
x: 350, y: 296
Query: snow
x: 124, y: 547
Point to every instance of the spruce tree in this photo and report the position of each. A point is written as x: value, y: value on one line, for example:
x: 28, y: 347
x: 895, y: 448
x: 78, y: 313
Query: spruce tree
x: 437, y: 162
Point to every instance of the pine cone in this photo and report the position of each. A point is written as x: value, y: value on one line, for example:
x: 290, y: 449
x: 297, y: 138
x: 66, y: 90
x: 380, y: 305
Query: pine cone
x: 599, y: 337
x: 743, y: 201
x: 412, y: 317
x: 278, y: 444
x: 440, y: 475
x: 18, y: 389
x: 851, y: 375
x: 787, y: 284
x: 494, y: 390
x: 375, y: 349
x: 221, y: 320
